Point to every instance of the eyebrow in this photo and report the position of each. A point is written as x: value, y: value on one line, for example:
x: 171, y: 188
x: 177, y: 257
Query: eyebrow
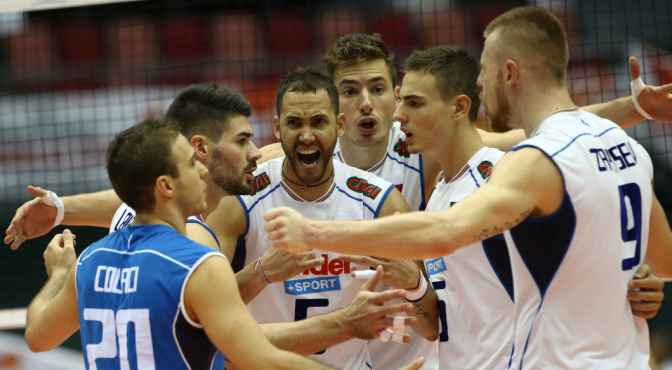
x: 356, y: 82
x: 409, y: 97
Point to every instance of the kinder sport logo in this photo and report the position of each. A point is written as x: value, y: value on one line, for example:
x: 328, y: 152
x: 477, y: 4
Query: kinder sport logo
x: 323, y: 278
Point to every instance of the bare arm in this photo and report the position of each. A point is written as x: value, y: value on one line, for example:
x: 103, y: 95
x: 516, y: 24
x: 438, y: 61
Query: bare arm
x: 211, y: 298
x: 57, y: 299
x: 659, y: 251
x: 35, y: 218
x: 523, y: 182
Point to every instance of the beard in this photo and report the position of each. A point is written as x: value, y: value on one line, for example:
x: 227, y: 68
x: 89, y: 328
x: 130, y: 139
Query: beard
x: 500, y: 121
x: 231, y: 183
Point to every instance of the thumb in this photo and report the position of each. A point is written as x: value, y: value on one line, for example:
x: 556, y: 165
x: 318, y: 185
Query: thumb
x: 274, y: 213
x: 643, y: 271
x: 635, y: 70
x: 36, y: 191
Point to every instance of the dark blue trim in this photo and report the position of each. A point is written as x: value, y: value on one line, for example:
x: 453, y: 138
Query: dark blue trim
x: 356, y: 199
x: 474, y: 178
x: 423, y: 201
x: 402, y: 163
x: 584, y: 122
x: 206, y: 227
x: 525, y: 145
x: 498, y: 256
x: 513, y: 351
x: 249, y: 210
x: 529, y: 334
x: 382, y: 201
x: 247, y: 214
x: 607, y: 130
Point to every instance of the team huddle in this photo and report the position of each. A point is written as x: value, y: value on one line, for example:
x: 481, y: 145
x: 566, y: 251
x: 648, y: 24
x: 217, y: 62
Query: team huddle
x: 488, y: 249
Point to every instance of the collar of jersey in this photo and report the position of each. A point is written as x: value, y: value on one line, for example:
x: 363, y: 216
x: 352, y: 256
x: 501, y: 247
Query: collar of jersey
x: 298, y: 198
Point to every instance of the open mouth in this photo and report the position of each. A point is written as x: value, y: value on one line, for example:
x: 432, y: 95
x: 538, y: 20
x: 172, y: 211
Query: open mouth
x: 367, y: 124
x: 308, y: 157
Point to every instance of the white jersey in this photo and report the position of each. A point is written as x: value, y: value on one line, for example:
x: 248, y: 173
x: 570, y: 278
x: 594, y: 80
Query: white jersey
x: 403, y: 169
x: 354, y: 195
x: 474, y: 284
x: 571, y: 269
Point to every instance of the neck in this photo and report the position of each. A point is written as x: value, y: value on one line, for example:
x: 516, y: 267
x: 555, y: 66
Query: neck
x: 538, y: 105
x: 213, y: 194
x: 363, y: 156
x: 307, y: 191
x: 163, y: 215
x: 455, y: 153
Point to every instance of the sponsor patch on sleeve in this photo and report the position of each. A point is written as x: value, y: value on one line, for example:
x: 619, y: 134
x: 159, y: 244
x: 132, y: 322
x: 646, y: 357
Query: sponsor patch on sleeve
x: 401, y: 148
x: 360, y: 185
x: 485, y: 169
x: 435, y: 266
x: 260, y: 182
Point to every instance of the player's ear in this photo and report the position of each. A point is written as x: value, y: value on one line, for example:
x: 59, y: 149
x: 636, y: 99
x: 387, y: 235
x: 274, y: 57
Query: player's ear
x: 201, y: 145
x: 276, y: 127
x: 164, y: 187
x: 512, y: 73
x: 340, y: 124
x: 462, y: 106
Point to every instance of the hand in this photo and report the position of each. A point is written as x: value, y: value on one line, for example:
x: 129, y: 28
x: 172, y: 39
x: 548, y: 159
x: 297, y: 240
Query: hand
x: 415, y: 365
x: 398, y: 274
x: 32, y: 220
x: 367, y: 315
x: 287, y: 229
x: 279, y: 265
x: 645, y: 293
x: 655, y: 100
x: 59, y: 256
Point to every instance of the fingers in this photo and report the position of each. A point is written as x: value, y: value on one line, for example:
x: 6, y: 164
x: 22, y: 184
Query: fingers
x: 650, y: 283
x: 365, y: 260
x: 647, y: 312
x: 68, y: 239
x: 274, y: 213
x: 635, y: 70
x: 397, y: 308
x: 664, y: 88
x: 384, y: 296
x: 36, y: 191
x: 645, y: 296
x: 415, y: 365
x: 310, y: 263
x: 372, y: 283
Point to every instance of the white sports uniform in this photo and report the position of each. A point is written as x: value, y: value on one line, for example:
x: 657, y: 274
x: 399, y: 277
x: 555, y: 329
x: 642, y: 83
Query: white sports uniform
x: 405, y: 171
x: 571, y: 269
x: 401, y: 168
x: 355, y: 194
x: 474, y: 284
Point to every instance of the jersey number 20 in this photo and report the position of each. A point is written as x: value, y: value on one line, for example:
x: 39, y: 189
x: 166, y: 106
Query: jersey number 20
x: 114, y: 328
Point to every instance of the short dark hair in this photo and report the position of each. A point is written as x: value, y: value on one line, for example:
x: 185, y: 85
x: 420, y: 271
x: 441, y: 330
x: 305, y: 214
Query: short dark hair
x: 306, y: 80
x: 535, y: 31
x: 454, y: 70
x: 357, y: 48
x: 137, y: 156
x: 205, y: 109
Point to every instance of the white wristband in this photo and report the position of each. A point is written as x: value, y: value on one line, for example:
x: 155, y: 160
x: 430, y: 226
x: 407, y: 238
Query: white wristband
x: 52, y: 199
x: 636, y: 87
x: 418, y: 293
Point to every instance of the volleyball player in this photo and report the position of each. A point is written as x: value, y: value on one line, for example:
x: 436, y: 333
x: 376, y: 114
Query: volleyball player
x: 576, y: 197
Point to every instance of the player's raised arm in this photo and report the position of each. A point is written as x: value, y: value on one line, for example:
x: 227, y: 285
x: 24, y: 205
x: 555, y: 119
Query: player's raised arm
x: 659, y: 251
x: 211, y: 298
x: 655, y: 102
x: 52, y: 315
x: 524, y: 182
x: 39, y: 215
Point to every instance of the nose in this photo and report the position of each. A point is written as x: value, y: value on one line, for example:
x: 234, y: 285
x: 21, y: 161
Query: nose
x: 254, y: 153
x: 366, y: 107
x: 399, y: 115
x: 307, y: 136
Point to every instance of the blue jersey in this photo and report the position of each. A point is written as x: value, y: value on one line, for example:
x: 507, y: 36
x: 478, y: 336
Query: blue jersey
x: 130, y: 288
